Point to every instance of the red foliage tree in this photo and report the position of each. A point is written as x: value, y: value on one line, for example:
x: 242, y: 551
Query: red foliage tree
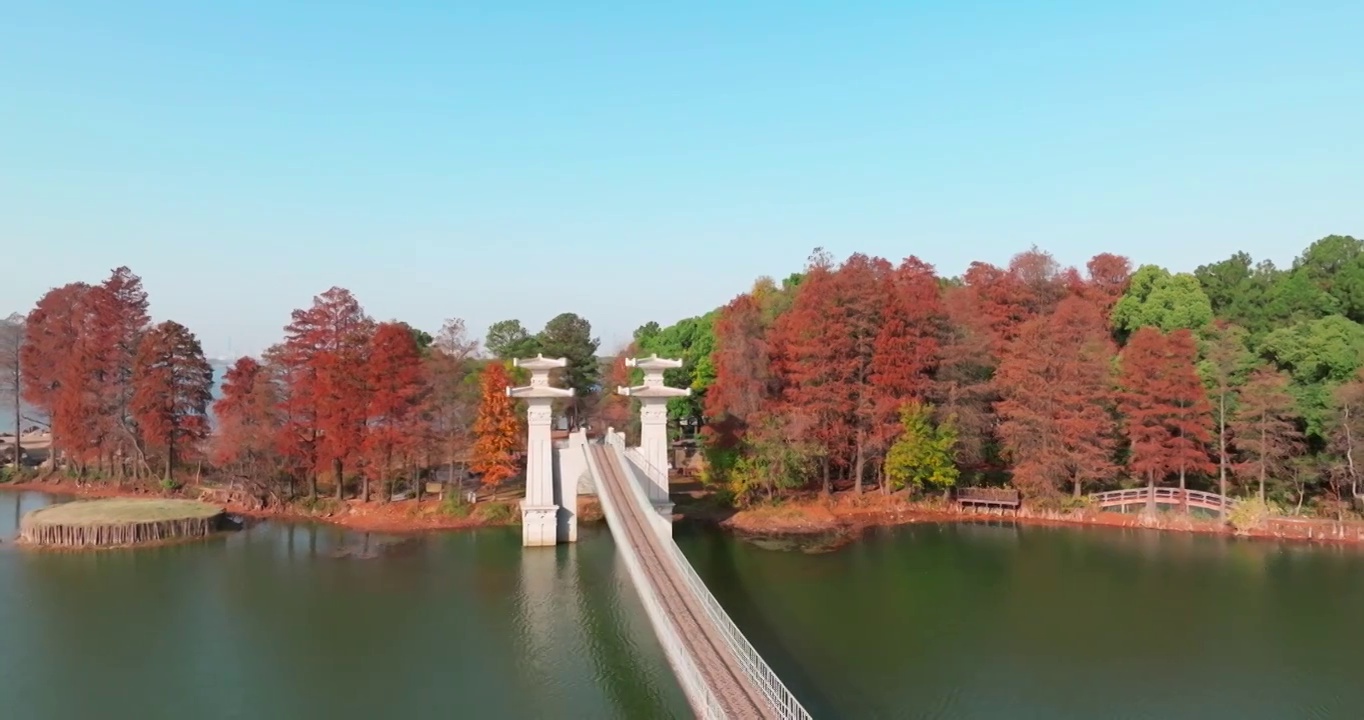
x: 1191, y: 411
x: 1109, y: 276
x: 813, y: 351
x: 964, y: 382
x: 1043, y: 281
x: 62, y: 365
x: 326, y: 347
x: 1056, y: 388
x: 497, y: 430
x: 124, y: 320
x: 857, y: 342
x: 1000, y: 300
x: 1165, y: 408
x: 856, y: 322
x: 1032, y: 286
x: 50, y: 336
x: 743, y: 371
x: 297, y: 434
x: 1142, y: 402
x: 172, y: 391
x: 907, y: 346
x: 398, y: 390
x: 1265, y: 428
x: 247, y: 419
x: 616, y: 410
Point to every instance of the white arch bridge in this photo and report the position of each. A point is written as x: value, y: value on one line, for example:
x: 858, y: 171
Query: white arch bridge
x: 720, y: 672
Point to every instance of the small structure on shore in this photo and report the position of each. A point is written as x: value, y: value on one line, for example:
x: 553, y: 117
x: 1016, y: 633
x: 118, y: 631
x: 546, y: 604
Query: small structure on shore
x: 989, y: 500
x: 119, y: 522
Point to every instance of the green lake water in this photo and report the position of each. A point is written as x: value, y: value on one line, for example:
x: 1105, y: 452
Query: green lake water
x: 270, y: 623
x: 929, y: 621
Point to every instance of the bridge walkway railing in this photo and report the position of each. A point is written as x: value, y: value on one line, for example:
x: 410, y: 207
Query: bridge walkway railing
x: 1163, y: 496
x: 761, y: 675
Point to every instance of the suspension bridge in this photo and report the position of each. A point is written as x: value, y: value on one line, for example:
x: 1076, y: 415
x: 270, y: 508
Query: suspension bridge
x: 719, y: 670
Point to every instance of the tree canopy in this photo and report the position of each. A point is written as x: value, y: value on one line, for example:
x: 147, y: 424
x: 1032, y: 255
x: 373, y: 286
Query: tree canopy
x: 1156, y: 298
x: 1240, y: 376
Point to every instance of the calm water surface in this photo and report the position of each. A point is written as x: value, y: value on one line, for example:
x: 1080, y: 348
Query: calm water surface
x: 982, y: 621
x: 932, y: 621
x: 270, y: 623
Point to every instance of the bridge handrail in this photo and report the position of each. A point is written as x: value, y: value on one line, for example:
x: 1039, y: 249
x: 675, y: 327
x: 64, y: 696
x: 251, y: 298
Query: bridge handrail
x: 637, y: 457
x: 1161, y: 493
x: 684, y: 665
x: 783, y: 702
x: 659, y: 477
x: 759, y: 672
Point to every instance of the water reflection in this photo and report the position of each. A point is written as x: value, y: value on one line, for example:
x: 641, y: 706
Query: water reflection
x: 1002, y: 621
x: 303, y: 620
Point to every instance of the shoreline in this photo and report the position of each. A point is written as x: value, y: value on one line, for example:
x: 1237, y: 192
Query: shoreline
x: 848, y: 515
x: 399, y: 517
x: 843, y: 514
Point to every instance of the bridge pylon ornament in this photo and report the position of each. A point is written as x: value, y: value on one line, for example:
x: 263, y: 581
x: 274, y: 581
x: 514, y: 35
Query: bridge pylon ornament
x: 653, y: 397
x: 539, y: 509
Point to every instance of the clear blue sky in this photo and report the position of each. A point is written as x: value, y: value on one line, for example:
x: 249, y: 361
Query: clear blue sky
x: 633, y: 163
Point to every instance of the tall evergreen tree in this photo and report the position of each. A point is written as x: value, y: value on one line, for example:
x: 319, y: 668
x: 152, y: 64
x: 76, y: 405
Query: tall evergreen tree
x: 172, y: 392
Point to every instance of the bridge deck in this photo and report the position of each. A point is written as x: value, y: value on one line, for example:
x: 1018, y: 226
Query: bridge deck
x: 716, y: 661
x: 988, y: 497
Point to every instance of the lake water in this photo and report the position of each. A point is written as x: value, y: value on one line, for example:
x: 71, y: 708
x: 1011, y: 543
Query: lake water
x: 270, y: 623
x: 932, y: 621
x: 998, y: 621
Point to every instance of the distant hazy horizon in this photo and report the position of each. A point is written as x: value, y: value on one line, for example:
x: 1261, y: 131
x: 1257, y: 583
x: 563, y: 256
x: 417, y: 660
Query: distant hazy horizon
x: 7, y: 401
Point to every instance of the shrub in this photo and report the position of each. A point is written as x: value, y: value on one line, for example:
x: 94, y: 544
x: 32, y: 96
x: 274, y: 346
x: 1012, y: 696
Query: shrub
x: 320, y: 505
x: 718, y: 464
x: 495, y: 513
x: 1249, y: 513
x: 455, y: 506
x: 1070, y: 503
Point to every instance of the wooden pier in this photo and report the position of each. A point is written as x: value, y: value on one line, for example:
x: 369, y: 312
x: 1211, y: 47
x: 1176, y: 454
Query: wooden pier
x: 989, y: 500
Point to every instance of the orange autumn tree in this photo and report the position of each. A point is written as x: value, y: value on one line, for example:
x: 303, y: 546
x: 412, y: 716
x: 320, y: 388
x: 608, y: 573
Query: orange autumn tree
x: 496, y: 429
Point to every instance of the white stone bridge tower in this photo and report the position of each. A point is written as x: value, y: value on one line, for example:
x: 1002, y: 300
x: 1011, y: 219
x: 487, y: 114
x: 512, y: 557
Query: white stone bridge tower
x: 653, y: 397
x: 540, y: 508
x: 549, y: 511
